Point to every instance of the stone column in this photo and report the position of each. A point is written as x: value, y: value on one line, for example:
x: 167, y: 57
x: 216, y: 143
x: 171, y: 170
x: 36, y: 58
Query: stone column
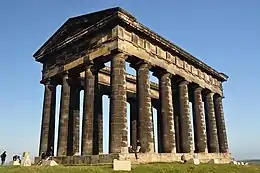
x: 144, y: 108
x: 166, y: 112
x: 222, y: 135
x: 88, y: 111
x: 211, y: 127
x: 73, y: 136
x: 118, y: 116
x: 98, y: 121
x: 133, y: 123
x: 48, y: 118
x: 64, y: 117
x: 185, y: 121
x: 198, y: 121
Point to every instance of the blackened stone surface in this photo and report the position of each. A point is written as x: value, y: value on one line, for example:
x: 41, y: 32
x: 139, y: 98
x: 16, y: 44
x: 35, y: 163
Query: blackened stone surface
x: 222, y: 135
x: 98, y: 121
x: 159, y: 126
x: 186, y: 143
x: 88, y: 111
x: 73, y: 136
x: 198, y: 121
x: 211, y: 128
x: 176, y: 109
x: 48, y: 118
x: 166, y: 112
x: 118, y: 116
x: 64, y: 117
x: 133, y: 123
x: 145, y: 109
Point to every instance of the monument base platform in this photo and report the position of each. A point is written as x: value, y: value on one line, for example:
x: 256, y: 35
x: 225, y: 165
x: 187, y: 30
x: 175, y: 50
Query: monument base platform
x: 223, y: 158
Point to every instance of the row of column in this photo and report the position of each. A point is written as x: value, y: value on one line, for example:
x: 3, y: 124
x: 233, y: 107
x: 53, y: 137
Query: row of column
x: 174, y: 122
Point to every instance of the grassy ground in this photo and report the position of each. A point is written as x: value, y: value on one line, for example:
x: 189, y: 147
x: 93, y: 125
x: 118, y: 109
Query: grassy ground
x: 150, y: 168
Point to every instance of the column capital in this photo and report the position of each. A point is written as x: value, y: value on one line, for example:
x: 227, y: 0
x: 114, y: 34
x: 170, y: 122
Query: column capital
x: 94, y: 67
x: 141, y: 64
x: 161, y: 73
x: 120, y: 55
x: 209, y: 93
x: 198, y: 88
x: 183, y: 82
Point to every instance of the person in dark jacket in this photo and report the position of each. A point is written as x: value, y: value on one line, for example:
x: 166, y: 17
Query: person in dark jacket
x: 3, y: 157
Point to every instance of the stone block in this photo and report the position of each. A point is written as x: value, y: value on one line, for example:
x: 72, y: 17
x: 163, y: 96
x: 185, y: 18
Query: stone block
x: 26, y: 162
x: 194, y: 161
x: 122, y: 165
x: 49, y: 163
x: 214, y: 161
x: 15, y: 163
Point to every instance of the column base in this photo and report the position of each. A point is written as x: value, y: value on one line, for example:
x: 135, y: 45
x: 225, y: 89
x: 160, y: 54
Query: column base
x: 143, y: 158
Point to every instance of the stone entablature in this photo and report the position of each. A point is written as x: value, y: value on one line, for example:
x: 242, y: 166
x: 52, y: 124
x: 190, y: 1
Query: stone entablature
x: 118, y: 38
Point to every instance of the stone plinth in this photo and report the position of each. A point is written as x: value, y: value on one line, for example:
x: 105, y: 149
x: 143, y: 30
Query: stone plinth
x: 223, y: 158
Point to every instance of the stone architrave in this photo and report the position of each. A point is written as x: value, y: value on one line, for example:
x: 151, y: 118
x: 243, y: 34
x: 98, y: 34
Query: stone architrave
x: 118, y: 103
x: 166, y: 111
x: 88, y: 111
x: 145, y: 126
x: 64, y: 117
x: 48, y: 118
x: 186, y: 143
x: 211, y: 128
x: 198, y: 121
x: 222, y: 135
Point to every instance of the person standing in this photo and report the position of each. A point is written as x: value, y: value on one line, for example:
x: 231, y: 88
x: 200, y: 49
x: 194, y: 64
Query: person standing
x: 3, y: 157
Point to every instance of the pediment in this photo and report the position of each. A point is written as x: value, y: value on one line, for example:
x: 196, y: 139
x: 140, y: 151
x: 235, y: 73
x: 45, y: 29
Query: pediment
x: 71, y: 27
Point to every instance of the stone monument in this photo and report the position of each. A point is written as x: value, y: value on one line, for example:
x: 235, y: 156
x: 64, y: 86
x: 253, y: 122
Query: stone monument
x: 74, y: 58
x: 26, y: 161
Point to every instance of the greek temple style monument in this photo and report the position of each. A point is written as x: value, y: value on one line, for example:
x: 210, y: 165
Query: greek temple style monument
x: 74, y: 58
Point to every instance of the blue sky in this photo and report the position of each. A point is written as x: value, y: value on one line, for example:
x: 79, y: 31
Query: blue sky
x: 224, y: 34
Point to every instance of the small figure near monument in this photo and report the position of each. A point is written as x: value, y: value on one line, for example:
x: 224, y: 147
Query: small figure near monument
x: 3, y: 157
x: 17, y: 158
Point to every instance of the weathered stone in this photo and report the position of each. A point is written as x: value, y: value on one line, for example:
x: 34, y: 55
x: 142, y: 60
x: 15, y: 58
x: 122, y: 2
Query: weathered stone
x: 176, y: 109
x: 133, y: 123
x: 98, y: 121
x: 214, y: 161
x: 194, y: 161
x: 199, y: 123
x: 118, y: 116
x: 147, y: 51
x: 222, y: 134
x: 64, y: 117
x: 26, y: 161
x: 122, y: 165
x: 88, y: 111
x: 73, y: 128
x: 145, y: 126
x: 186, y: 144
x: 211, y: 128
x: 167, y: 130
x: 48, y: 118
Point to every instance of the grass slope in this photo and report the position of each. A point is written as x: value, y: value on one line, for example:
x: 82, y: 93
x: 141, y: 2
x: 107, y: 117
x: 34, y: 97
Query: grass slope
x: 149, y: 168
